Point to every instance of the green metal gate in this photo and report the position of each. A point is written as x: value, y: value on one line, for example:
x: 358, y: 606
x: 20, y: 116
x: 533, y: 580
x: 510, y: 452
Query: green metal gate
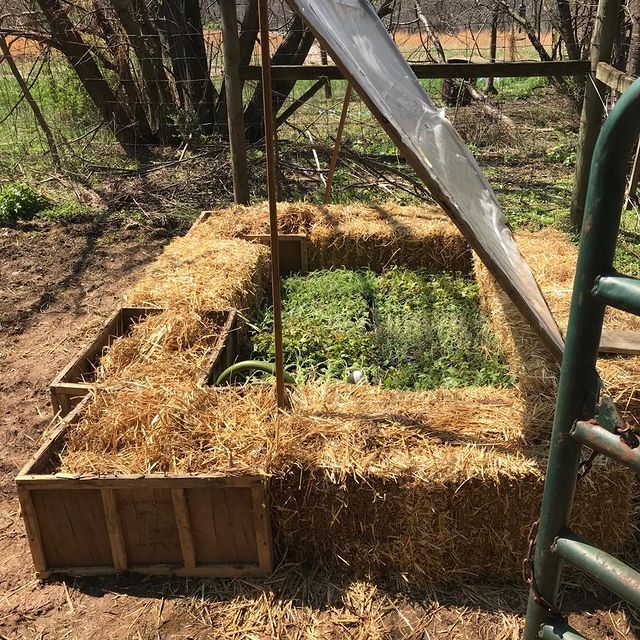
x: 583, y: 415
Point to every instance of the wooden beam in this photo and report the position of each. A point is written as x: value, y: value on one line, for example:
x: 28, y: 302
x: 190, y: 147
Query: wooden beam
x: 233, y: 95
x: 114, y: 529
x: 432, y: 70
x: 614, y: 79
x: 605, y: 30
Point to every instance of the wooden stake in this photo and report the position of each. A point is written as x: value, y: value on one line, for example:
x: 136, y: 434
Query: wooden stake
x: 269, y: 136
x: 336, y: 146
x: 604, y: 33
x: 233, y: 94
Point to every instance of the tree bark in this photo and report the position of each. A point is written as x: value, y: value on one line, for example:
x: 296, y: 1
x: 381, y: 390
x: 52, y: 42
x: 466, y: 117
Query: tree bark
x: 116, y: 41
x: 292, y: 50
x: 78, y: 53
x: 145, y: 42
x: 246, y: 41
x: 567, y: 29
x: 182, y: 25
x: 633, y: 57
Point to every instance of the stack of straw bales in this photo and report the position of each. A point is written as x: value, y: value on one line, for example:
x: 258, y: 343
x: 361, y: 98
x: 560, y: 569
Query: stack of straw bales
x: 434, y: 485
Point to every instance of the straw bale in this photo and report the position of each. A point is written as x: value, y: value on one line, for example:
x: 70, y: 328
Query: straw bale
x: 204, y: 272
x: 357, y: 236
x: 552, y: 258
x: 293, y: 218
x: 430, y: 485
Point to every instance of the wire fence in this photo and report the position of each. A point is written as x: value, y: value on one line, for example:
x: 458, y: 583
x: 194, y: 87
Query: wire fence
x: 160, y: 82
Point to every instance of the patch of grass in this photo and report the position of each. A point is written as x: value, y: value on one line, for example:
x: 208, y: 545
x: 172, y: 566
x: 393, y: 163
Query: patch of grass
x: 64, y: 212
x: 405, y: 329
x: 518, y: 88
x: 19, y: 201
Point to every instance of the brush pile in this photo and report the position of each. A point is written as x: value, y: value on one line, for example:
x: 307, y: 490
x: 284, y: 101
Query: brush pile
x: 420, y: 486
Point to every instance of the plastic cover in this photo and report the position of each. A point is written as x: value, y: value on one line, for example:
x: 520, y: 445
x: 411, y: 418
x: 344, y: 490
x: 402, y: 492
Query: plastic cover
x: 361, y: 47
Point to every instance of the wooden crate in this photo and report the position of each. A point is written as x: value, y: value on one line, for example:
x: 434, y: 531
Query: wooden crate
x: 76, y: 380
x: 293, y: 251
x: 188, y: 525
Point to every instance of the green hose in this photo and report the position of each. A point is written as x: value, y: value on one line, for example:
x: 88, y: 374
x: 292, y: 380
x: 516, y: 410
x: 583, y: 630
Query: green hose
x: 258, y: 365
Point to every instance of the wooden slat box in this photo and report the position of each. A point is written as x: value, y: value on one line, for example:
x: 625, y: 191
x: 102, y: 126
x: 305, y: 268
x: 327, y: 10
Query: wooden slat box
x: 293, y: 251
x: 187, y: 525
x: 77, y: 379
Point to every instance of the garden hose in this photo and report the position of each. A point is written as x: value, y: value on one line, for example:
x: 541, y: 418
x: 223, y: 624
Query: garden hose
x: 258, y: 365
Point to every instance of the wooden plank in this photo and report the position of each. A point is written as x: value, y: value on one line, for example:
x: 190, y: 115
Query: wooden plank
x: 614, y: 79
x: 73, y: 528
x: 43, y: 458
x: 202, y: 571
x: 149, y: 526
x: 199, y: 220
x: 622, y: 342
x: 241, y: 531
x: 223, y: 525
x: 32, y: 527
x: 433, y: 70
x: 86, y: 355
x: 263, y: 534
x: 76, y: 379
x: 114, y: 529
x: 149, y: 481
x: 224, y: 320
x: 293, y: 250
x: 183, y: 523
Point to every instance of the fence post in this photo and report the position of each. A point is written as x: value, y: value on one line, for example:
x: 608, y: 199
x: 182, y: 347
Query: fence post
x: 604, y: 33
x: 233, y: 94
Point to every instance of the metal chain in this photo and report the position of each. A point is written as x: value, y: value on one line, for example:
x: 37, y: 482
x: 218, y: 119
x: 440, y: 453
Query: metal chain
x: 629, y: 436
x: 529, y: 575
x: 586, y: 465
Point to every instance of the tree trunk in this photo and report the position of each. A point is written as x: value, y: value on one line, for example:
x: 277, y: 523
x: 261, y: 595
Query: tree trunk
x: 183, y: 25
x: 292, y: 50
x: 69, y: 41
x: 493, y: 46
x: 246, y: 41
x: 633, y: 58
x: 145, y: 42
x: 567, y: 29
x: 116, y: 41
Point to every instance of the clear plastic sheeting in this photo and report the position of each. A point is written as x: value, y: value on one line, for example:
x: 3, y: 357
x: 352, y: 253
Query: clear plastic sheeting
x: 359, y: 44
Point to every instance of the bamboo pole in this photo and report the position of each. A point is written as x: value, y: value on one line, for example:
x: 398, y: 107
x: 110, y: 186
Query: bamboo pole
x: 269, y: 136
x: 233, y: 95
x: 336, y: 146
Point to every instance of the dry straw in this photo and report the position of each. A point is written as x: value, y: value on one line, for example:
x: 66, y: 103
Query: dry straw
x: 552, y: 258
x: 357, y: 236
x: 434, y: 485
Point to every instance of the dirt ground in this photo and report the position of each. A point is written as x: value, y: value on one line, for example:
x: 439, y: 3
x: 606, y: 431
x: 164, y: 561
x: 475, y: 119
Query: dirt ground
x: 57, y: 283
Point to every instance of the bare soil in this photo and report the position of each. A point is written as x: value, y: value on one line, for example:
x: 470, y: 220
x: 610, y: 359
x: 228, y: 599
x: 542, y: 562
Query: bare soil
x: 57, y: 283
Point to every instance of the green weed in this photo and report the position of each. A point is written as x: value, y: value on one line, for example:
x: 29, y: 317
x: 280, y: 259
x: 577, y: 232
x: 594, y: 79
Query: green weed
x: 19, y: 201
